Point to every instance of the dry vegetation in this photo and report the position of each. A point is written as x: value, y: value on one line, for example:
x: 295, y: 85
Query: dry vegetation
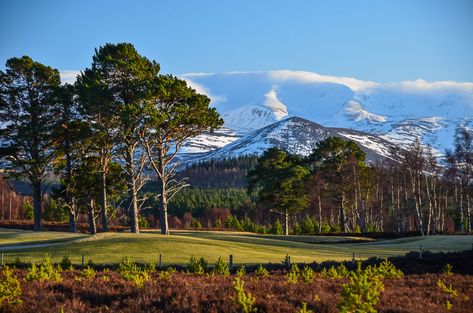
x: 108, y: 292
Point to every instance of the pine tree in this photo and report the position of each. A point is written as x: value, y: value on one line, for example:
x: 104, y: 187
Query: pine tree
x: 278, y: 180
x: 69, y: 135
x: 28, y: 109
x: 177, y: 113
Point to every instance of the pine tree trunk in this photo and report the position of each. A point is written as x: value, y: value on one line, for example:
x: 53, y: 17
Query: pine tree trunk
x: 343, y: 218
x: 286, y: 222
x: 72, y: 220
x: 418, y: 217
x: 91, y: 216
x: 442, y: 221
x: 163, y: 201
x: 393, y: 210
x: 402, y: 219
x: 132, y: 192
x: 69, y: 198
x: 37, y: 204
x: 164, y: 210
x: 468, y: 212
x: 10, y: 206
x: 462, y: 217
x: 429, y: 199
x: 417, y: 202
x: 103, y: 199
x: 405, y: 211
x: 363, y: 216
x: 3, y: 199
x: 320, y: 212
x: 355, y: 201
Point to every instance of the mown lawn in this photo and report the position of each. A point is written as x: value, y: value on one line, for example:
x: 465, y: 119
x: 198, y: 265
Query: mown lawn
x: 178, y: 247
x: 16, y: 237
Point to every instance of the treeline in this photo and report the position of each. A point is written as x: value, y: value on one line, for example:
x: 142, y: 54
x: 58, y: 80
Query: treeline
x: 219, y: 173
x: 102, y: 136
x: 334, y: 188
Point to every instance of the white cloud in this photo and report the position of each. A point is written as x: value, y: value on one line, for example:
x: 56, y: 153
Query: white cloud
x: 201, y: 89
x: 68, y: 76
x: 421, y: 84
x: 311, y: 77
x: 197, y: 74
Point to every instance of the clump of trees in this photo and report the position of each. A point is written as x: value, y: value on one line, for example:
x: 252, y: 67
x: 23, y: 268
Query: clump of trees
x: 278, y: 180
x: 100, y: 136
x: 333, y: 189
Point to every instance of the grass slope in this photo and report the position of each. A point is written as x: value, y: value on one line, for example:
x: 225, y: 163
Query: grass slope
x: 246, y: 248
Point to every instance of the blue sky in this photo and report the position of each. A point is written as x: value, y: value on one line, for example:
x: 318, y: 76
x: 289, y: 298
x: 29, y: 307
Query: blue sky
x: 367, y: 39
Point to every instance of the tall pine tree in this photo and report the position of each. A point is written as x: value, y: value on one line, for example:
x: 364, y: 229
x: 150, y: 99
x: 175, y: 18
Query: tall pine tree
x: 177, y: 114
x: 28, y: 113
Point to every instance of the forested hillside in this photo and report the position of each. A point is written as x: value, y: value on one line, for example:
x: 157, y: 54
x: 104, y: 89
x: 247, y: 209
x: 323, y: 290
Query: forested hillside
x: 219, y: 173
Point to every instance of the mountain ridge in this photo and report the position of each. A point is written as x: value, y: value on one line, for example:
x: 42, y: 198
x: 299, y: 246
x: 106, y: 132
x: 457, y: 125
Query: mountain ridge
x: 296, y: 135
x: 397, y: 112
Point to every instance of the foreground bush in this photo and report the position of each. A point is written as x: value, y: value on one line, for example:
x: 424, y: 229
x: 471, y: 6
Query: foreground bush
x: 133, y: 273
x: 243, y: 300
x: 261, y: 271
x: 362, y: 293
x: 87, y: 273
x: 66, y: 263
x: 45, y: 271
x: 197, y: 266
x: 293, y: 275
x: 221, y: 268
x: 10, y: 288
x: 167, y: 274
x: 307, y: 274
x: 384, y: 270
x: 339, y: 271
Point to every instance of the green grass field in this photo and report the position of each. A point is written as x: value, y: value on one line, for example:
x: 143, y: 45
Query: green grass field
x: 246, y: 248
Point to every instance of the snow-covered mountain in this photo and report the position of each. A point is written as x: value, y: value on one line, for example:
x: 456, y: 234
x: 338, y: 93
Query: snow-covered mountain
x: 296, y: 135
x: 396, y: 112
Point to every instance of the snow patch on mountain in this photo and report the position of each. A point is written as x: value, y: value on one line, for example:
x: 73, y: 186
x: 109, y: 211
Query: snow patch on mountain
x: 209, y: 141
x: 357, y: 112
x: 272, y: 102
x: 372, y: 143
